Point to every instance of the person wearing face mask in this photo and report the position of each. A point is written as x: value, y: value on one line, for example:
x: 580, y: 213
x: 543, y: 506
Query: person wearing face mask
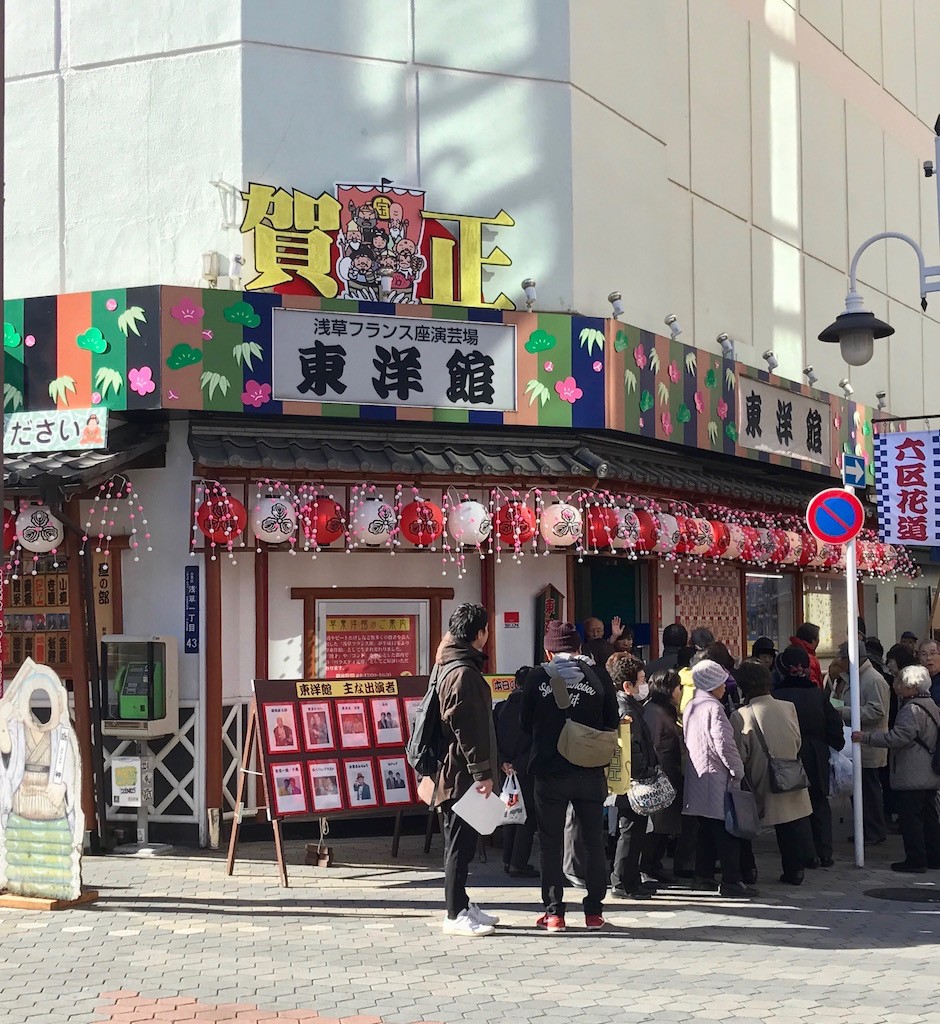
x: 632, y: 690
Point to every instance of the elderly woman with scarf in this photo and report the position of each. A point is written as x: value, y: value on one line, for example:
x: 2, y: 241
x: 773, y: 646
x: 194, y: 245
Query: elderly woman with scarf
x: 714, y: 767
x: 820, y: 729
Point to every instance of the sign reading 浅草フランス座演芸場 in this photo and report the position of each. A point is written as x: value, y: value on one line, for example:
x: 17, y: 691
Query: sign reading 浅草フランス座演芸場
x: 774, y: 419
x: 370, y: 359
x: 907, y: 477
x: 369, y: 242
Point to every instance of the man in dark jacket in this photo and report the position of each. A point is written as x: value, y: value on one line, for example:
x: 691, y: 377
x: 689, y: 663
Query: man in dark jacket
x: 515, y: 749
x: 558, y: 782
x: 675, y: 637
x: 820, y: 728
x: 471, y: 758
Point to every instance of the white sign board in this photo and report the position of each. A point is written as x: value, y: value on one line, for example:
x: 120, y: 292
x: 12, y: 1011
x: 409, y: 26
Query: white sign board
x: 369, y: 359
x: 55, y: 430
x: 126, y: 781
x: 782, y: 422
x: 907, y: 478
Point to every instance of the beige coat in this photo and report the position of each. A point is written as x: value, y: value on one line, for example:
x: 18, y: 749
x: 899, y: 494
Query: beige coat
x: 781, y: 729
x: 875, y: 699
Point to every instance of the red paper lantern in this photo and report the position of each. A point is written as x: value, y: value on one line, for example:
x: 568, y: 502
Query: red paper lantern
x: 810, y: 546
x: 781, y: 545
x: 9, y: 530
x: 322, y: 521
x: 684, y: 535
x: 601, y: 525
x: 751, y: 549
x: 721, y: 538
x: 514, y: 522
x: 222, y: 518
x: 649, y: 529
x: 422, y: 522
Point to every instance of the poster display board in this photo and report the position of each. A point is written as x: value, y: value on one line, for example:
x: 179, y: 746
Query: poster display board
x: 371, y: 645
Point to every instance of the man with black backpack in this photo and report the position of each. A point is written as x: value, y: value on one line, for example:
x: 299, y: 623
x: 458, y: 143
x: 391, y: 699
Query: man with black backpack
x: 467, y: 743
x: 569, y: 704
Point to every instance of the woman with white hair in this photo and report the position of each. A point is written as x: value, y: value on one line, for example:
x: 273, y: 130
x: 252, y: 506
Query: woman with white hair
x: 911, y: 744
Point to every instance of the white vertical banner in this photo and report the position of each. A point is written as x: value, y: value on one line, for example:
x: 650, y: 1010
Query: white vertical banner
x: 907, y: 479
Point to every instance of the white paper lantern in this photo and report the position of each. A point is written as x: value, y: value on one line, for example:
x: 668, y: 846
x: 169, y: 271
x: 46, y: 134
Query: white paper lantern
x: 38, y: 530
x: 469, y: 523
x: 667, y: 538
x: 274, y: 520
x: 702, y: 537
x: 560, y: 525
x: 372, y: 523
x: 628, y: 530
x: 765, y: 546
x: 794, y: 549
x: 736, y: 541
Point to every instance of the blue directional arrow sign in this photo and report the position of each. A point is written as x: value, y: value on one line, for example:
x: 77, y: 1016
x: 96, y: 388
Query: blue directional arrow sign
x: 853, y: 470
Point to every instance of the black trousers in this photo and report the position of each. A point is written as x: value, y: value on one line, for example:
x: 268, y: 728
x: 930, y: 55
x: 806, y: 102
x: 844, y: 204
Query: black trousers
x: 517, y: 839
x: 820, y: 822
x: 873, y: 808
x: 460, y: 844
x: 586, y: 791
x: 686, y: 845
x: 715, y: 841
x: 631, y: 837
x: 795, y: 842
x: 654, y: 850
x: 920, y: 826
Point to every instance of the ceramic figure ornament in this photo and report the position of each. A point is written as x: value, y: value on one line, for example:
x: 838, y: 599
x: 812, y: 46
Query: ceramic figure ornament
x: 42, y: 827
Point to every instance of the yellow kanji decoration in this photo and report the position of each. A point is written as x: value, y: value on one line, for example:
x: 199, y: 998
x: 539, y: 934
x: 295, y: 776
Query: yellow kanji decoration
x: 290, y: 236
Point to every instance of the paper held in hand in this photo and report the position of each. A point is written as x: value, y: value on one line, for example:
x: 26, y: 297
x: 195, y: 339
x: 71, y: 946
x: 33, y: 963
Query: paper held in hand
x: 484, y: 813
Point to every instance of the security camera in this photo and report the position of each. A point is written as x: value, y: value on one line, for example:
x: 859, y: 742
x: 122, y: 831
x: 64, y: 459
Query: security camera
x: 672, y: 322
x: 928, y: 168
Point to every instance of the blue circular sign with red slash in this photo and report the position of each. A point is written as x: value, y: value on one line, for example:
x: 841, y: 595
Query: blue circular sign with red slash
x: 835, y: 516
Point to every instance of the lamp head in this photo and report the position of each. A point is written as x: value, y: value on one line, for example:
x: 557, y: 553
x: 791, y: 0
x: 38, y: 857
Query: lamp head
x: 616, y: 301
x: 847, y: 388
x: 672, y: 322
x: 528, y: 286
x: 727, y: 345
x: 856, y: 333
x: 771, y: 360
x: 810, y: 375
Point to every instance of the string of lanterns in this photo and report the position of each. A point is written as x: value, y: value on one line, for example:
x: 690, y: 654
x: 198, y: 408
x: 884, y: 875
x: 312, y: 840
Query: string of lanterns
x: 536, y: 522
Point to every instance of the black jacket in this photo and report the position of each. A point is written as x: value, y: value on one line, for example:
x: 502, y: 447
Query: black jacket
x: 643, y: 757
x: 662, y: 718
x: 592, y: 703
x: 515, y: 746
x: 668, y: 660
x: 820, y: 727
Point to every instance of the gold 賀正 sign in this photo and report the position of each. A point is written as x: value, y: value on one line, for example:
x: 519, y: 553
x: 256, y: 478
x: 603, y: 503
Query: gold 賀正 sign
x: 370, y: 243
x: 347, y: 687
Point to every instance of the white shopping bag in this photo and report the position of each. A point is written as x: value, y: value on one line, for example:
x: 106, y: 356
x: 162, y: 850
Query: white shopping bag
x: 511, y: 796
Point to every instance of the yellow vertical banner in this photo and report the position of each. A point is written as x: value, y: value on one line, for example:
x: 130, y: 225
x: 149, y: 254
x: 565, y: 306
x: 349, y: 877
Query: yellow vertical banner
x: 618, y: 772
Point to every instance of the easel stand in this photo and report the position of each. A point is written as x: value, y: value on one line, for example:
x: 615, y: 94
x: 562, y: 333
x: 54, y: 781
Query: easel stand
x: 321, y: 854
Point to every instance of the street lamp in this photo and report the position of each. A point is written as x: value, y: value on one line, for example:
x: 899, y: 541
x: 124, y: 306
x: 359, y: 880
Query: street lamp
x: 856, y: 328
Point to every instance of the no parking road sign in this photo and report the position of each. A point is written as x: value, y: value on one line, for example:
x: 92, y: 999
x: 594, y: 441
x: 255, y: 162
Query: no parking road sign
x: 835, y: 516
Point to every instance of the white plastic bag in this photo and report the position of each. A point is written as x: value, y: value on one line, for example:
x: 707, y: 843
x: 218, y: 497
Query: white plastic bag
x: 515, y: 813
x: 840, y: 773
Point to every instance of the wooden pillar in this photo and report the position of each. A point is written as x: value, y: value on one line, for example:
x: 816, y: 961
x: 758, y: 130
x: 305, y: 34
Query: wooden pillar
x: 261, y: 614
x: 212, y: 710
x: 80, y: 672
x: 488, y: 600
x: 655, y: 612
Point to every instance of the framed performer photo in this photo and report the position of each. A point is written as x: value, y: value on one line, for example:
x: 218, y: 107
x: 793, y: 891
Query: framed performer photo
x: 288, y: 790
x: 393, y: 778
x: 325, y: 786
x: 386, y: 722
x: 318, y: 726
x: 280, y: 724
x: 411, y: 705
x: 353, y: 726
x: 360, y: 783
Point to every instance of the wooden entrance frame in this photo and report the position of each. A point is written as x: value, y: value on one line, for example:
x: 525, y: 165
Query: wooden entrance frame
x: 435, y: 596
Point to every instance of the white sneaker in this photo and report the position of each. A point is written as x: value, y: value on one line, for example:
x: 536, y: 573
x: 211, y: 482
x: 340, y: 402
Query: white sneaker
x: 481, y: 915
x: 467, y: 925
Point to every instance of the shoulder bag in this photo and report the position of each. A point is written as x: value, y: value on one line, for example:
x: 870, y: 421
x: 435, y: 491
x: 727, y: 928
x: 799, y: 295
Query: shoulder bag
x: 581, y: 744
x: 787, y: 774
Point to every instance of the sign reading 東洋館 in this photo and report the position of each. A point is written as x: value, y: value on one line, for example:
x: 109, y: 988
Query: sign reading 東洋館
x: 370, y: 243
x: 907, y: 477
x: 782, y: 422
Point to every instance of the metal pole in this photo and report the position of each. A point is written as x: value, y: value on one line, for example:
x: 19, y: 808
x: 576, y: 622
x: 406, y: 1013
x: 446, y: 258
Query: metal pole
x: 851, y: 604
x: 94, y: 683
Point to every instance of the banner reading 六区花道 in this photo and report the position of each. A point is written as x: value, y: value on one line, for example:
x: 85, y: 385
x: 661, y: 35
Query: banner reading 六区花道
x: 907, y: 477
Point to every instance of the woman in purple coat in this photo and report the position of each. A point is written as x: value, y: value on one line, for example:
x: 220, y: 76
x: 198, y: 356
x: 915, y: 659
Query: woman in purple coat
x: 714, y: 767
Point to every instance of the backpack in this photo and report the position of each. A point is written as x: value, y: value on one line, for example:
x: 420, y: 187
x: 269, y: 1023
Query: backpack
x: 935, y: 763
x: 426, y: 747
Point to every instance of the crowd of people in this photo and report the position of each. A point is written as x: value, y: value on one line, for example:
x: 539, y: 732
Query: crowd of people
x: 768, y: 725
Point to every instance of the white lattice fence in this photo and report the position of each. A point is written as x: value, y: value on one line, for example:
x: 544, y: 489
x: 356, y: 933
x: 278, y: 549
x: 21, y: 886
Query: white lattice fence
x: 234, y: 726
x: 175, y: 763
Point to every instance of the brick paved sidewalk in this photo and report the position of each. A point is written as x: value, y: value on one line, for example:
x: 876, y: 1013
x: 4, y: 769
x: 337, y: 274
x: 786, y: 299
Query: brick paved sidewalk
x: 173, y: 939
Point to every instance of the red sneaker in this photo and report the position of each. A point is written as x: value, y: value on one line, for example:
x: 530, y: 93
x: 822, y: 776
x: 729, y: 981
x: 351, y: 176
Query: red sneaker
x: 593, y: 922
x: 551, y: 923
